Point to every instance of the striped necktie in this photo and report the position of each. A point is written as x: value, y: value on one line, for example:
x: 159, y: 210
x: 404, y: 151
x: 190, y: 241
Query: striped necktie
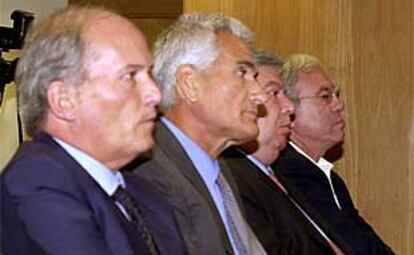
x: 244, y: 239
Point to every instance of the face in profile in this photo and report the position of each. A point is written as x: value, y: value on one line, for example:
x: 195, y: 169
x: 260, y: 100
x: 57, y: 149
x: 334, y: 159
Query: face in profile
x: 275, y: 121
x: 230, y: 94
x: 117, y: 102
x: 318, y: 116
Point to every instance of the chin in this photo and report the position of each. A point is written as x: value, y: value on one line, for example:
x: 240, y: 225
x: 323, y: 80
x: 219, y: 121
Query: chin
x: 281, y: 145
x: 252, y: 132
x: 145, y: 145
x: 246, y: 135
x: 341, y: 137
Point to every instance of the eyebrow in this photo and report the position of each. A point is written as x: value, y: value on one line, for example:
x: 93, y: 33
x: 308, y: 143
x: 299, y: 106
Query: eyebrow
x: 333, y: 88
x: 247, y: 64
x: 274, y: 84
x: 131, y: 67
x: 134, y: 66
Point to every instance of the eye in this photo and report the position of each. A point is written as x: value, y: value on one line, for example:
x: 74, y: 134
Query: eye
x: 272, y: 92
x: 273, y: 89
x: 326, y: 96
x: 255, y: 75
x: 129, y: 77
x: 242, y: 71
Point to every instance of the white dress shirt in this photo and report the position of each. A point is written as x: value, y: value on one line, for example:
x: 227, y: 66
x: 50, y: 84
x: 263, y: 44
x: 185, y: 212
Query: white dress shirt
x: 324, y: 165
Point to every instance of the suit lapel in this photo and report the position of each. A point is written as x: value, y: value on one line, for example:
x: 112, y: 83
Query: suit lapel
x: 176, y: 154
x: 304, y: 167
x: 158, y: 215
x: 115, y: 228
x: 296, y: 194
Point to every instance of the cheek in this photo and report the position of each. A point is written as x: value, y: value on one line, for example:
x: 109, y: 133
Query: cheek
x: 267, y: 128
x: 305, y: 119
x: 230, y: 100
x: 314, y: 123
x: 230, y: 92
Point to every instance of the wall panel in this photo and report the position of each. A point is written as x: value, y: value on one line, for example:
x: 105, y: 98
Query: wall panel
x: 367, y: 48
x: 150, y: 16
x: 9, y: 132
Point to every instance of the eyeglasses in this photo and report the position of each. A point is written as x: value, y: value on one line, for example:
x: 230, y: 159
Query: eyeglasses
x: 325, y: 97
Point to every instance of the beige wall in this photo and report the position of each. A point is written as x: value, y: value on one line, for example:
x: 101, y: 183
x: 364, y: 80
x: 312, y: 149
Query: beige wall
x: 39, y: 7
x: 8, y: 110
x: 367, y: 47
x: 151, y: 16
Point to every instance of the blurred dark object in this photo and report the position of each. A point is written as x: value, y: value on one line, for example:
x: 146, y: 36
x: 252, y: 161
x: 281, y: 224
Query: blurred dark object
x: 12, y: 38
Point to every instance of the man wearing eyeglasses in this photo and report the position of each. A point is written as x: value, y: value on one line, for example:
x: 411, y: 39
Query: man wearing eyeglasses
x: 318, y: 126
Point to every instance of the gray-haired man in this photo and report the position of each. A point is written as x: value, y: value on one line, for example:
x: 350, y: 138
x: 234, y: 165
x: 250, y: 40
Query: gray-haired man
x: 206, y: 71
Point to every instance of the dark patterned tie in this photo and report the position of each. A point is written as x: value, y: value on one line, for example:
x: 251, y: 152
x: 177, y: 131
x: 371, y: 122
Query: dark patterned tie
x: 136, y: 218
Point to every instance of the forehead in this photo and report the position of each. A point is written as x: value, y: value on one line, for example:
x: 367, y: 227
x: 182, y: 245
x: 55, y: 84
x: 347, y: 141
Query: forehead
x: 117, y: 35
x: 269, y: 74
x: 314, y: 79
x: 233, y: 47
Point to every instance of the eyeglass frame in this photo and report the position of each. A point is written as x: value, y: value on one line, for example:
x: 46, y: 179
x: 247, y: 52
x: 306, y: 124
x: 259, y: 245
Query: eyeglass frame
x: 326, y: 99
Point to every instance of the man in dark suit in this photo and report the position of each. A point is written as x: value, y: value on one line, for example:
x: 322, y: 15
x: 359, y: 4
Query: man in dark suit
x: 88, y: 100
x: 206, y: 71
x: 277, y: 215
x: 317, y: 127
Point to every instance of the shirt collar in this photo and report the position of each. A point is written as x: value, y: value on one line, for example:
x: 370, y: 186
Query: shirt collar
x: 105, y: 178
x: 206, y: 166
x: 322, y: 163
x: 264, y: 168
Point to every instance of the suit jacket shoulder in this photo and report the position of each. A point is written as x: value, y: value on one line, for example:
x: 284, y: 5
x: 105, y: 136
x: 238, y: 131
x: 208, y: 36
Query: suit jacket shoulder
x: 171, y: 171
x: 278, y: 224
x: 158, y: 215
x: 62, y: 208
x: 311, y: 182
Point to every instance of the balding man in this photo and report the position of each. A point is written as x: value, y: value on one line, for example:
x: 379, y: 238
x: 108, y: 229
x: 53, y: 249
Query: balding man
x: 88, y: 99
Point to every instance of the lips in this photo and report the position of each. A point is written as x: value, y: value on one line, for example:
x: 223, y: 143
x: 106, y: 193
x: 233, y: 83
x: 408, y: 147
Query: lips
x: 151, y: 117
x: 284, y: 130
x: 340, y: 123
x: 251, y: 113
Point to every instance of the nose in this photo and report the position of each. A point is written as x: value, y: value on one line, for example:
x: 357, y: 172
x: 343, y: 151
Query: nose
x: 257, y: 94
x: 286, y: 105
x: 152, y: 94
x: 337, y: 104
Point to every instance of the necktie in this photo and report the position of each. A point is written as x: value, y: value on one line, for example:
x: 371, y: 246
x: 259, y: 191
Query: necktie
x: 244, y: 239
x: 136, y: 218
x: 274, y: 178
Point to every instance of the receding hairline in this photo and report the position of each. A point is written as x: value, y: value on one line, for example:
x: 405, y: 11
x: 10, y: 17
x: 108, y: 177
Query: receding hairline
x: 80, y: 18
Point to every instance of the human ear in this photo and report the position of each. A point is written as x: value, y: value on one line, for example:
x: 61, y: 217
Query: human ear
x: 187, y: 87
x: 60, y: 98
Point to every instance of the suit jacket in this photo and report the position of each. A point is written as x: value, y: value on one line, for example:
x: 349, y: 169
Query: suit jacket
x: 173, y: 172
x: 50, y: 204
x: 277, y: 222
x: 301, y: 173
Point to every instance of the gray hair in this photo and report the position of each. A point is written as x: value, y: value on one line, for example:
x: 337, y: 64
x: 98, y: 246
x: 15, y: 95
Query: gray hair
x: 264, y: 58
x: 190, y: 40
x: 293, y: 66
x: 54, y: 50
